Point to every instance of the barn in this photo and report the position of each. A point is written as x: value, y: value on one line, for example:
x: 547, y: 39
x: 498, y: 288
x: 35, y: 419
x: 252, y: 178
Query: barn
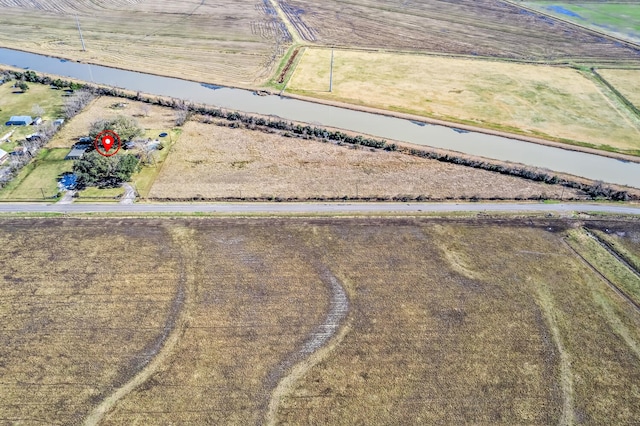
x: 19, y: 120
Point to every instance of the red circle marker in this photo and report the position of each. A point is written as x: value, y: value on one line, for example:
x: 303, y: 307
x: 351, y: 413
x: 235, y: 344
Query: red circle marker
x: 105, y: 141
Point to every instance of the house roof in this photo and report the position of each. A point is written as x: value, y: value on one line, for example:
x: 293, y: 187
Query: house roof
x: 21, y: 118
x: 3, y: 153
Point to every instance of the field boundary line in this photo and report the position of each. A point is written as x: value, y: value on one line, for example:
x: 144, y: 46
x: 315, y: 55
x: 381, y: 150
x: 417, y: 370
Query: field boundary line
x: 613, y: 252
x: 611, y: 285
x: 172, y: 332
x: 322, y: 340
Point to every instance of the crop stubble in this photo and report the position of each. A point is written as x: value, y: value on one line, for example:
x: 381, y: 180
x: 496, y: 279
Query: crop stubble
x: 449, y: 320
x: 204, y: 41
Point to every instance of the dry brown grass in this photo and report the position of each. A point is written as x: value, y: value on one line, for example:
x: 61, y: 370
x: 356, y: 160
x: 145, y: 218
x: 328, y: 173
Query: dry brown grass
x: 534, y: 100
x: 210, y: 161
x: 158, y: 118
x: 469, y: 324
x: 256, y: 300
x: 205, y: 41
x: 80, y: 313
x: 451, y: 321
x: 626, y: 81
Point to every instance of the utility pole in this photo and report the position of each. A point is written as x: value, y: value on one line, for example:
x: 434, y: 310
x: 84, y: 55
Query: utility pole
x: 80, y: 32
x: 331, y: 73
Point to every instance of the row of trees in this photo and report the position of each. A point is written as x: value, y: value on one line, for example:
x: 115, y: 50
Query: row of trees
x: 595, y: 190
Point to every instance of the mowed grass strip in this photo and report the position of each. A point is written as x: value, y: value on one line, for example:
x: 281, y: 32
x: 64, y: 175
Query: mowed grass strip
x: 210, y: 161
x: 452, y: 323
x: 534, y: 100
x: 82, y: 306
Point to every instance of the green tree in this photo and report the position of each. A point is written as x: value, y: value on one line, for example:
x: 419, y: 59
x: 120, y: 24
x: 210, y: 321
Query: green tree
x: 126, y: 127
x: 104, y: 172
x: 22, y: 86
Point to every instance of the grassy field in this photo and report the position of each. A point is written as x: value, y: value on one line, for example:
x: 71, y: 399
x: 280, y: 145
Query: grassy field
x: 12, y: 102
x: 543, y: 101
x: 470, y: 27
x: 39, y: 179
x: 619, y: 18
x: 626, y: 82
x: 225, y: 41
x: 211, y: 161
x: 483, y: 322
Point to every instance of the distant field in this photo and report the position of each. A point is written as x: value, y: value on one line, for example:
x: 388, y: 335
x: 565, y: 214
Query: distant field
x: 471, y: 27
x: 196, y: 321
x: 626, y: 82
x: 225, y: 41
x: 552, y: 102
x: 619, y: 18
x: 210, y: 161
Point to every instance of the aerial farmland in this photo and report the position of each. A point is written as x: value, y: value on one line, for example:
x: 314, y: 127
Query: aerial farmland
x: 262, y: 266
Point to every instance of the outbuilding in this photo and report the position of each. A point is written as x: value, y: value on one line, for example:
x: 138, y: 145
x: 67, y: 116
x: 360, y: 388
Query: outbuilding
x: 19, y: 120
x: 36, y: 121
x: 77, y: 152
x: 3, y: 156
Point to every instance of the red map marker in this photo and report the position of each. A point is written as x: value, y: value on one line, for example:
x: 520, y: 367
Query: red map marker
x: 105, y: 143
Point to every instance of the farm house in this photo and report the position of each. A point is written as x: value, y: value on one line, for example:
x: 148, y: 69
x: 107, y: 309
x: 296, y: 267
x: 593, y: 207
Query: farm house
x: 19, y: 120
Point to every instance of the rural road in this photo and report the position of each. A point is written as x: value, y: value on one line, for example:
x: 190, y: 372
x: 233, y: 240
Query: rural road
x: 322, y: 208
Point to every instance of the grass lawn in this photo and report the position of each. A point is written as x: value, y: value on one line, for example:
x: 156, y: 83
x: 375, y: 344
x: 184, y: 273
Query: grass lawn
x: 39, y: 178
x: 50, y: 100
x: 620, y: 19
x: 549, y: 102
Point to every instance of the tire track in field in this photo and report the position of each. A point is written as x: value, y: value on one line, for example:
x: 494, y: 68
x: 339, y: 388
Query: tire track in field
x: 322, y: 340
x: 566, y: 377
x: 613, y: 252
x: 163, y: 345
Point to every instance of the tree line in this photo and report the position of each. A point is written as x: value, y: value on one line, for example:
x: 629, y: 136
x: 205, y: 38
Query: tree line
x: 291, y: 129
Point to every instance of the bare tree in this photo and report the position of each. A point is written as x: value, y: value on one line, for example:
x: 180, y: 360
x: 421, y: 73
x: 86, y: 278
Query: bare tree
x: 77, y: 102
x: 146, y: 109
x: 37, y: 110
x: 181, y: 116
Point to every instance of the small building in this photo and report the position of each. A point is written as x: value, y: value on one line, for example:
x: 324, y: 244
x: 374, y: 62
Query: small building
x: 19, y: 120
x: 3, y: 156
x: 37, y: 121
x: 34, y: 137
x: 58, y: 122
x: 77, y: 152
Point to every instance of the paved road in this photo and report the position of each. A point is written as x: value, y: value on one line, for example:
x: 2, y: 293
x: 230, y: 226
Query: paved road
x: 326, y: 208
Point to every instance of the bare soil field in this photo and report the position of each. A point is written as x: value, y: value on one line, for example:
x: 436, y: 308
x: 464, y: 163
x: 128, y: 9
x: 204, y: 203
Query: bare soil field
x: 479, y: 321
x: 470, y: 27
x: 211, y: 161
x: 152, y: 118
x: 556, y: 103
x: 225, y: 42
x: 626, y: 82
